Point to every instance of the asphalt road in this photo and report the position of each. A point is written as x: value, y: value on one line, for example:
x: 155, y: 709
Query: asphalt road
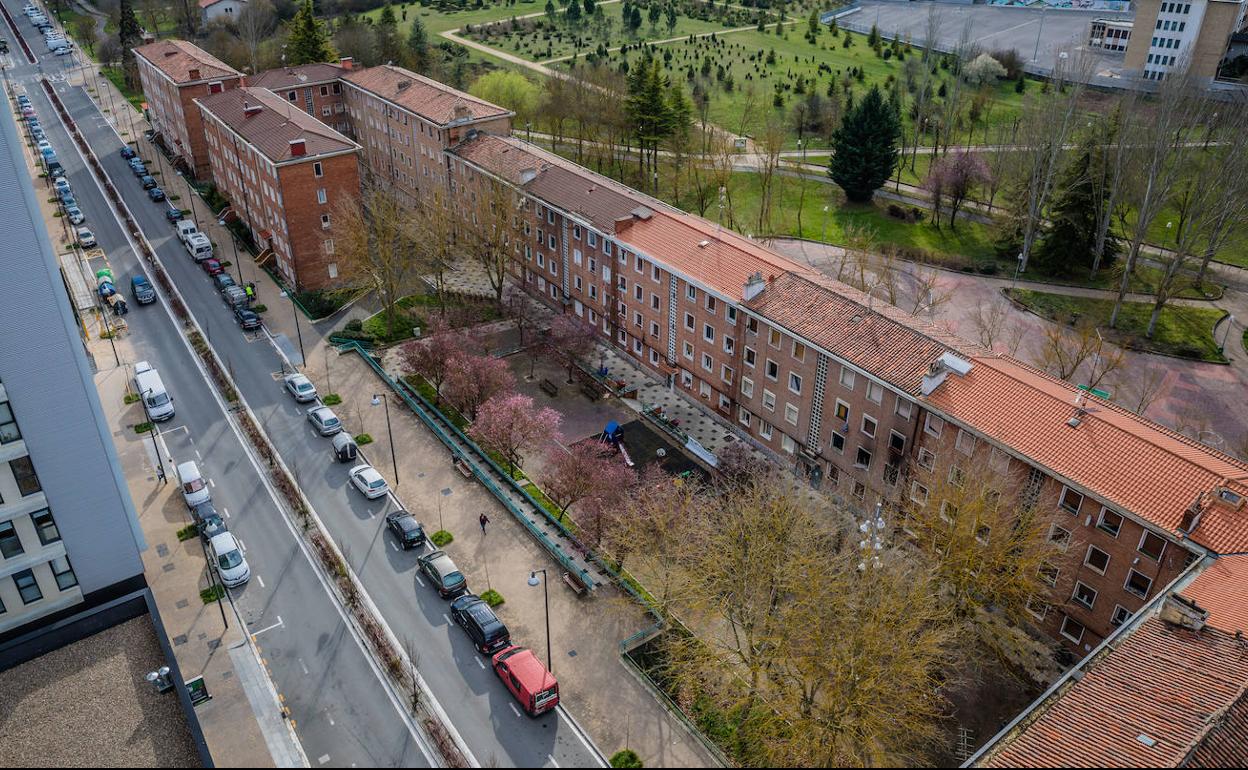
x: 477, y: 704
x: 342, y: 711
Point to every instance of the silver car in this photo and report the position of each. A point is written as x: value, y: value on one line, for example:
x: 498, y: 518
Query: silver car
x: 324, y: 420
x: 300, y: 387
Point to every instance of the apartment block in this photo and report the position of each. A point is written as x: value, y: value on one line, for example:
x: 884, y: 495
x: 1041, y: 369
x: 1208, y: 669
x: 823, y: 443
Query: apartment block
x: 315, y: 88
x: 173, y: 74
x: 405, y: 122
x: 69, y: 535
x: 284, y: 172
x: 1167, y: 35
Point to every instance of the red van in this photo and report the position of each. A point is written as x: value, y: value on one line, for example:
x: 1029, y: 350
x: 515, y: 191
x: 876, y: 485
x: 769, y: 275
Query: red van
x: 528, y: 680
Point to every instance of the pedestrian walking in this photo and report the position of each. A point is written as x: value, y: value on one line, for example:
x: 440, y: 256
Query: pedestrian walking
x: 484, y: 520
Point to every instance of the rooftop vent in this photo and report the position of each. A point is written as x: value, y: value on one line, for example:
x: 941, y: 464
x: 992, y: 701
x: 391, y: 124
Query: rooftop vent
x: 1146, y: 739
x: 527, y: 175
x: 404, y: 85
x: 193, y: 73
x: 250, y: 109
x: 642, y: 213
x: 171, y: 52
x: 753, y: 287
x: 461, y: 111
x: 702, y: 244
x: 298, y: 147
x: 939, y: 369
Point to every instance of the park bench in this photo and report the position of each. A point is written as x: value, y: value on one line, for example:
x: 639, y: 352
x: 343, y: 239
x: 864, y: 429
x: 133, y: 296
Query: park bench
x: 462, y: 466
x: 591, y: 390
x: 575, y: 584
x: 549, y: 388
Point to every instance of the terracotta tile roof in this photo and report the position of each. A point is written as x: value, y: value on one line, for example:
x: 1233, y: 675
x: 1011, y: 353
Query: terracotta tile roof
x: 1120, y: 457
x: 176, y: 58
x: 1222, y: 589
x: 1184, y: 690
x: 284, y: 78
x: 273, y: 128
x: 427, y: 98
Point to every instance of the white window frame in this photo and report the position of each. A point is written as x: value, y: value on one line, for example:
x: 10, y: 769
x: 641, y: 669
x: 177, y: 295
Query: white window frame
x: 1082, y: 629
x: 965, y: 442
x: 848, y: 378
x: 791, y: 414
x: 1087, y: 559
x: 1126, y: 583
x: 1061, y: 501
x: 875, y: 425
x: 1074, y: 595
x: 877, y: 389
x: 931, y: 420
x: 915, y: 486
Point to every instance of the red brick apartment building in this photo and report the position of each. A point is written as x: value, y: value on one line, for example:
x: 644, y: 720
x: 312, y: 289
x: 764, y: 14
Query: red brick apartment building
x: 174, y: 73
x: 283, y: 172
x: 314, y: 88
x: 868, y: 401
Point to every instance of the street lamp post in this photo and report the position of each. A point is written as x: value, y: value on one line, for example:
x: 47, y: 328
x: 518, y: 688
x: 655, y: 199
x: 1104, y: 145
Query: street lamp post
x: 160, y: 464
x: 378, y: 399
x: 1230, y: 323
x: 1039, y: 32
x: 190, y: 196
x: 234, y: 251
x: 298, y: 329
x: 533, y: 581
x: 1018, y: 267
x: 824, y: 238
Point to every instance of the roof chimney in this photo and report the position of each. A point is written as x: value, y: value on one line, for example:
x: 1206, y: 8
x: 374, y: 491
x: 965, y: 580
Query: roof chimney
x: 1183, y: 612
x: 623, y: 223
x: 753, y: 287
x: 346, y: 62
x: 215, y: 87
x: 298, y: 147
x: 250, y: 109
x: 193, y: 73
x: 461, y: 112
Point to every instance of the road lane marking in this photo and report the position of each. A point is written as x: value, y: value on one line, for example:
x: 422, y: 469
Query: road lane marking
x: 420, y: 582
x: 278, y: 624
x: 551, y: 757
x: 198, y: 456
x: 226, y: 511
x: 324, y: 758
x: 394, y: 545
x: 305, y: 673
x: 480, y: 663
x: 514, y: 710
x: 212, y: 483
x: 447, y: 619
x: 260, y: 580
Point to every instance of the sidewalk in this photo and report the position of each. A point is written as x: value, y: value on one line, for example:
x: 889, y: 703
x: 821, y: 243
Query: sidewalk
x: 243, y: 723
x: 603, y: 695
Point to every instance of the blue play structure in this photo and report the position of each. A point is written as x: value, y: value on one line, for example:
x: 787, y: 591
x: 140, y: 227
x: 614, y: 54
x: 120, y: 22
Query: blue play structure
x: 613, y: 437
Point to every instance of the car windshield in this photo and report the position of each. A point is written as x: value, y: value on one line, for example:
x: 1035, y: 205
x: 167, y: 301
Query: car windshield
x: 160, y: 399
x: 194, y: 485
x: 376, y: 483
x: 231, y: 559
x: 408, y: 524
x: 453, y: 579
x: 329, y: 420
x: 303, y: 387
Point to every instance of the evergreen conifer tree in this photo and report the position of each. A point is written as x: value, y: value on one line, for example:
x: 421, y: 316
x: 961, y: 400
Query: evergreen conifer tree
x: 1069, y: 246
x: 309, y: 38
x: 864, y: 148
x: 387, y: 36
x: 418, y: 47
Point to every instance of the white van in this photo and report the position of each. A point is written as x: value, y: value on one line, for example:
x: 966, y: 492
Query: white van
x: 186, y: 229
x: 199, y: 247
x: 152, y: 391
x: 194, y: 486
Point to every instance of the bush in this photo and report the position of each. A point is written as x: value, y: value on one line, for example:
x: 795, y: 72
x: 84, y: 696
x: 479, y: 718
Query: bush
x: 187, y: 532
x: 260, y: 308
x: 331, y: 399
x: 897, y: 212
x: 626, y: 758
x: 492, y: 598
x: 131, y: 398
x: 210, y: 595
x: 355, y: 325
x: 143, y: 427
x: 441, y: 538
x: 363, y: 439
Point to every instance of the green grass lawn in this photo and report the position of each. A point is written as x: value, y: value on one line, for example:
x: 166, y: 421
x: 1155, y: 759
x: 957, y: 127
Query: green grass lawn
x: 1186, y: 332
x: 540, y: 39
x: 117, y: 77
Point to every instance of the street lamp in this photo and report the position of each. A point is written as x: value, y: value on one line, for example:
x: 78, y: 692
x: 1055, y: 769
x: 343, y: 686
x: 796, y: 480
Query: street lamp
x: 155, y: 431
x: 1018, y: 268
x: 190, y: 194
x: 377, y: 399
x: 298, y: 329
x: 534, y: 581
x: 872, y: 529
x: 234, y: 251
x: 1230, y: 322
x: 824, y: 237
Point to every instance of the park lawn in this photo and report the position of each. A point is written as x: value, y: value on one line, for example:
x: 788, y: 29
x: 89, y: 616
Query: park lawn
x: 117, y: 77
x: 437, y: 20
x: 1186, y: 332
x: 543, y: 43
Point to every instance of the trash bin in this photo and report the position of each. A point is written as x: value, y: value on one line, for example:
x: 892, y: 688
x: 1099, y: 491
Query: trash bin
x: 344, y: 448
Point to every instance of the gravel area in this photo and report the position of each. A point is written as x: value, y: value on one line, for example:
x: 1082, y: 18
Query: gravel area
x: 88, y: 704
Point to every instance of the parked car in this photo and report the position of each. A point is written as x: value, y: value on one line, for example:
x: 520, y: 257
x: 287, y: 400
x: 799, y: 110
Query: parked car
x: 194, y: 485
x: 528, y: 680
x: 86, y: 238
x: 247, y: 319
x: 222, y: 280
x: 212, y: 266
x: 148, y: 182
x: 487, y: 632
x: 446, y: 577
x: 142, y: 289
x: 44, y: 145
x: 208, y: 520
x: 406, y: 529
x: 67, y: 199
x: 138, y: 167
x: 370, y: 483
x: 76, y: 217
x: 300, y: 387
x: 235, y: 297
x: 322, y: 417
x: 173, y: 215
x: 63, y: 50
x: 61, y: 185
x: 128, y: 152
x: 231, y: 564
x: 345, y: 449
x: 156, y: 194
x: 37, y: 134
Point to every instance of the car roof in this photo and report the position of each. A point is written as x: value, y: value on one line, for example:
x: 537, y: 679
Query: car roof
x: 223, y: 543
x: 404, y: 518
x: 529, y: 670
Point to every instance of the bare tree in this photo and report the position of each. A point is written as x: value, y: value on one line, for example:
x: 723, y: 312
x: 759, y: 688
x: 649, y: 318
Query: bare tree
x: 1231, y: 207
x: 1067, y: 347
x: 1139, y: 387
x: 770, y: 143
x: 255, y: 24
x: 1109, y: 172
x: 494, y: 232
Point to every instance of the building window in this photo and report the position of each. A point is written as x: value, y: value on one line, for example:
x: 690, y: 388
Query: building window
x: 24, y: 475
x: 1138, y: 584
x: 863, y: 460
x: 948, y: 511
x: 689, y: 322
x: 868, y: 425
x: 764, y: 429
x: 795, y: 383
x: 918, y: 493
x: 688, y: 350
x: 957, y: 476
x: 965, y: 443
x: 708, y: 363
x: 27, y: 586
x: 1071, y: 500
x: 1096, y: 560
x: 329, y: 246
x: 927, y: 459
x: 1109, y: 522
x: 903, y: 408
x: 769, y: 399
x: 787, y: 444
x: 1037, y: 608
x: 1120, y: 615
x: 324, y: 221
x: 875, y: 392
x: 847, y: 378
x: 691, y: 292
x: 64, y: 573
x: 790, y: 414
x: 317, y: 171
x: 799, y: 351
x: 1152, y: 546
x: 750, y: 357
x: 747, y: 387
x: 891, y: 474
x: 1072, y: 629
x: 773, y: 337
x: 838, y: 442
x: 292, y: 96
x: 45, y: 527
x: 321, y: 196
x: 933, y: 425
x: 772, y: 371
x: 842, y: 413
x: 725, y: 373
x: 1059, y: 536
x: 10, y: 543
x: 8, y: 425
x: 708, y: 333
x: 1085, y: 595
x: 743, y: 416
x: 896, y: 442
x: 998, y: 460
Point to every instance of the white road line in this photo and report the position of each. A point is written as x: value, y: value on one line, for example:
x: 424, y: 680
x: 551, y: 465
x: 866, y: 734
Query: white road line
x: 305, y: 670
x: 260, y: 580
x: 420, y: 582
x: 514, y: 710
x: 324, y: 758
x: 372, y: 514
x: 278, y: 624
x: 394, y: 545
x: 226, y: 512
x: 480, y: 663
x: 240, y: 543
x: 198, y: 456
x: 551, y: 757
x: 447, y: 618
x: 212, y: 483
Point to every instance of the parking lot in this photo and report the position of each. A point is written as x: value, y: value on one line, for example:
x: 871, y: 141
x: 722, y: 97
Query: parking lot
x: 991, y: 28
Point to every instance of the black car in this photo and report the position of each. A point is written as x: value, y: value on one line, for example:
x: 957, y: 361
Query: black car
x: 208, y: 520
x: 222, y: 280
x: 406, y: 529
x: 149, y: 182
x: 487, y: 632
x: 156, y: 194
x: 173, y: 215
x: 247, y: 319
x: 128, y: 152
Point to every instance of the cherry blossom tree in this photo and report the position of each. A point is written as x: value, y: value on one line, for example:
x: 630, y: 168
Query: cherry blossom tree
x: 954, y: 177
x: 429, y: 357
x: 584, y: 471
x: 508, y: 424
x: 472, y: 380
x: 570, y: 340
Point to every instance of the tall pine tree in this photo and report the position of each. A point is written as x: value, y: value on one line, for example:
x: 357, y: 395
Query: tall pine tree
x: 387, y: 36
x: 418, y: 47
x: 1069, y: 245
x: 864, y: 148
x: 129, y: 35
x: 309, y: 38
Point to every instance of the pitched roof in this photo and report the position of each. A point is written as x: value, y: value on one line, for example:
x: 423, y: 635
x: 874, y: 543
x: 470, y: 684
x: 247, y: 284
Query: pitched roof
x: 1180, y: 689
x: 275, y: 125
x: 1119, y: 456
x: 280, y: 78
x: 177, y: 59
x: 427, y: 98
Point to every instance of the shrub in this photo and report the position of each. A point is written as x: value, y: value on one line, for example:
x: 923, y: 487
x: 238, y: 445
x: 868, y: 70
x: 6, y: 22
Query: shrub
x: 626, y: 758
x: 331, y: 399
x: 130, y: 398
x: 441, y: 538
x: 210, y: 595
x: 896, y: 212
x: 363, y: 439
x: 355, y: 325
x: 492, y: 598
x: 260, y: 308
x: 143, y: 427
x: 187, y: 532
